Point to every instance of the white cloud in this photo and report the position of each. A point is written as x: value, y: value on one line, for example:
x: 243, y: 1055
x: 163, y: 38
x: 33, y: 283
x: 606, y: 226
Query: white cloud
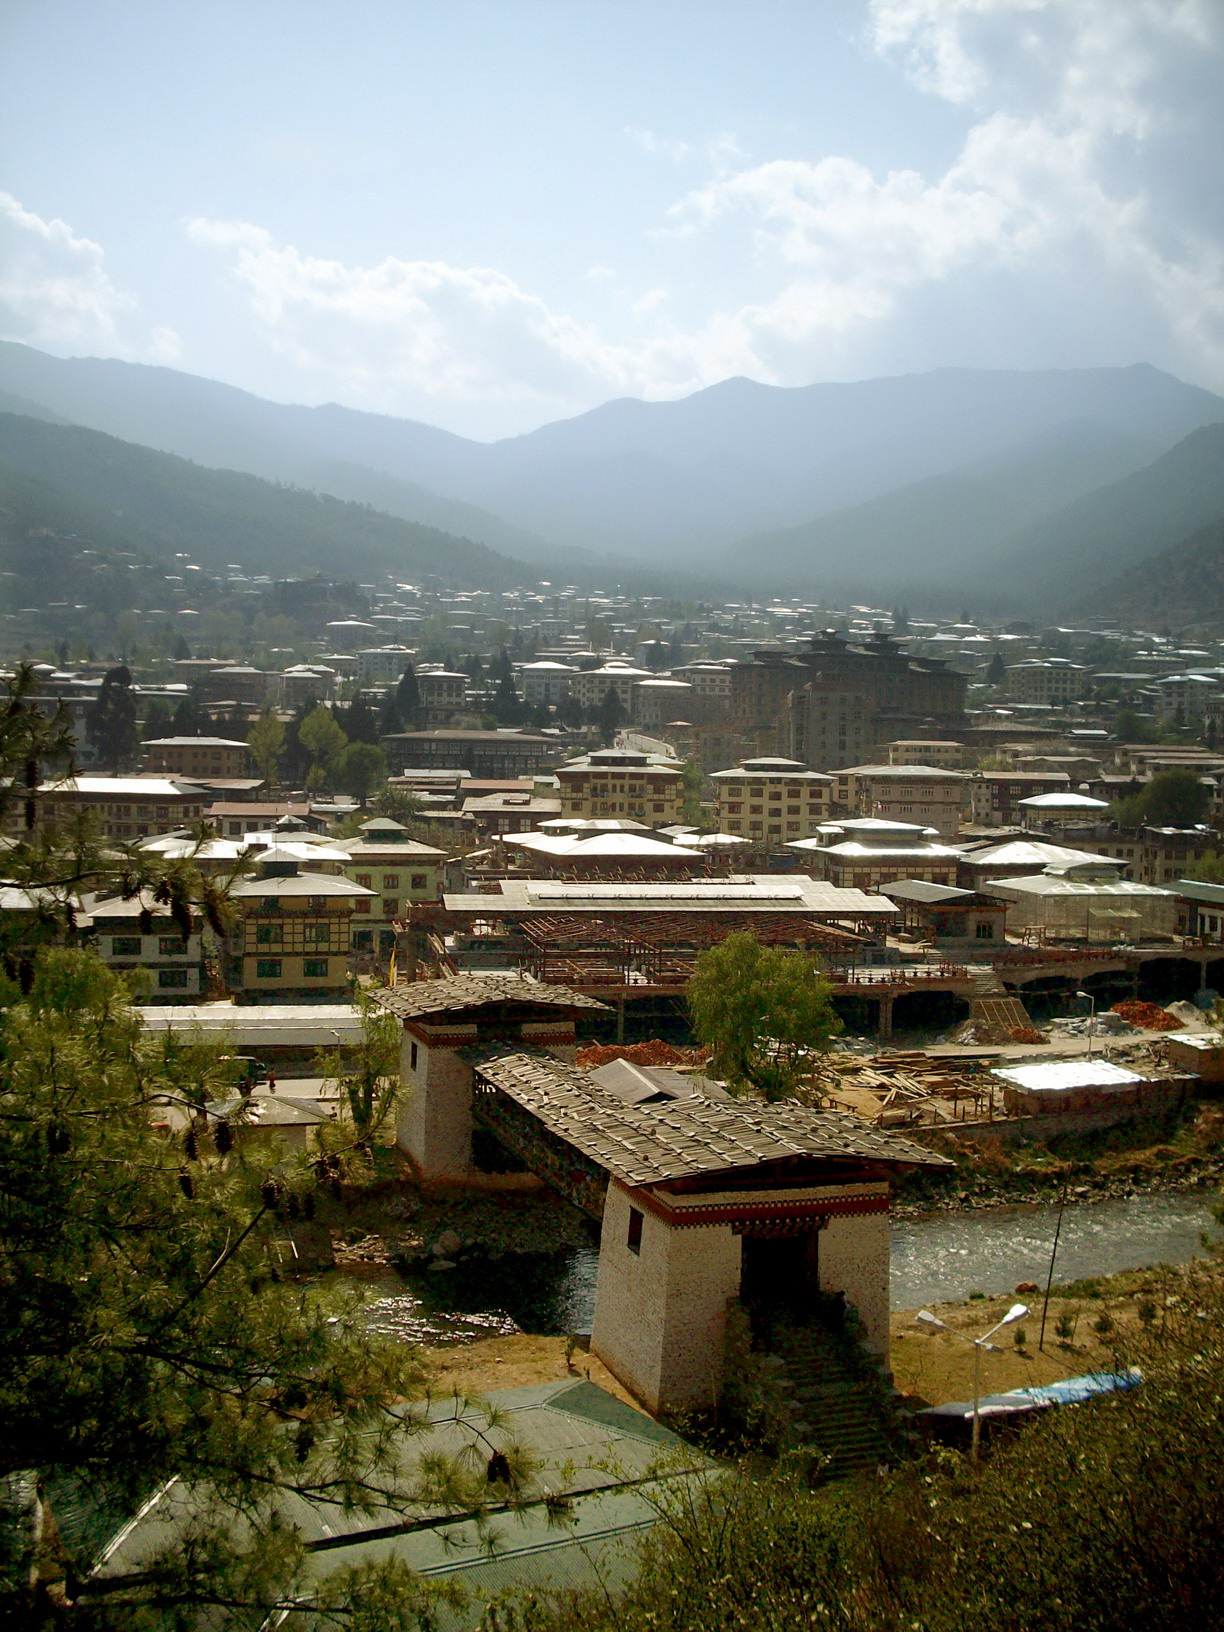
x: 54, y: 289
x: 1091, y: 130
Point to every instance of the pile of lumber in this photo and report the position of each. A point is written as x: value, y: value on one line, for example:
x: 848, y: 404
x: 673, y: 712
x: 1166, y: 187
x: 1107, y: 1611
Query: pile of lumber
x: 902, y: 1089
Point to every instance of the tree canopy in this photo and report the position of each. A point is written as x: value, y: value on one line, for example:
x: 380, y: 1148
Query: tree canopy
x: 1174, y: 798
x: 762, y: 1011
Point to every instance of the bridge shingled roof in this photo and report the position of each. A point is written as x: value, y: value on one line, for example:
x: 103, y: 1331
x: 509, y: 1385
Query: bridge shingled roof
x: 686, y: 1137
x: 456, y: 994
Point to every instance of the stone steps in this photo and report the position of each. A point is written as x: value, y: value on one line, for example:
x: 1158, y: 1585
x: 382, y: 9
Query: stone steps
x: 833, y: 1411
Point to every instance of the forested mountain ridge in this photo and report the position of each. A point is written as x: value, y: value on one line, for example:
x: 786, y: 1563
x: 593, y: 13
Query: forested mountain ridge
x: 168, y: 505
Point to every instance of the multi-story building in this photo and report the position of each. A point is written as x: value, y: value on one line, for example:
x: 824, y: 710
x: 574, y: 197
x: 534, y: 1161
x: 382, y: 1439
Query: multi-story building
x: 126, y: 807
x: 910, y: 751
x: 383, y: 665
x: 708, y: 680
x: 658, y: 701
x: 620, y: 782
x: 771, y: 800
x: 545, y: 682
x: 1051, y: 680
x: 866, y: 853
x: 292, y: 937
x: 443, y: 693
x: 903, y: 793
x: 591, y: 686
x: 494, y: 754
x: 836, y: 702
x: 396, y: 871
x: 994, y: 796
x: 194, y: 757
x: 139, y: 938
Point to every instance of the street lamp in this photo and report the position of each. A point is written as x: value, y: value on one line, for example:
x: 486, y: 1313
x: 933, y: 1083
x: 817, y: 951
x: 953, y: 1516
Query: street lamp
x: 924, y: 1317
x: 1091, y: 1018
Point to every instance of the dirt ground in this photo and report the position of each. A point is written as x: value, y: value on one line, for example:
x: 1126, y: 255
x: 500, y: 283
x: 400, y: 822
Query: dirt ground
x: 932, y: 1367
x: 515, y: 1362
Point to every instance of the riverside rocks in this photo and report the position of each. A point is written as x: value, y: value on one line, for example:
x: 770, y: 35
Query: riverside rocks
x: 404, y: 1227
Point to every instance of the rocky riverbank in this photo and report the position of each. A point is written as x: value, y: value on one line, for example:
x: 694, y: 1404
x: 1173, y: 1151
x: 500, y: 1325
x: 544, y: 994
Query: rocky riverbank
x: 397, y: 1226
x: 992, y: 1175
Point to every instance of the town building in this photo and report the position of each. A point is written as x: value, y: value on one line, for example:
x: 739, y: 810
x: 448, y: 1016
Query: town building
x: 622, y: 782
x: 903, y: 793
x: 1050, y: 681
x: 126, y: 808
x: 292, y: 938
x: 867, y: 853
x: 948, y: 916
x: 198, y: 758
x: 994, y: 796
x: 947, y: 756
x: 383, y: 665
x: 545, y: 682
x: 139, y: 939
x: 591, y: 686
x: 770, y: 800
x: 493, y: 754
x: 1087, y: 902
x: 396, y: 871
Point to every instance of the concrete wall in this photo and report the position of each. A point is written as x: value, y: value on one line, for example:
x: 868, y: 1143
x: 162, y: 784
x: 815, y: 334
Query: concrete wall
x: 660, y: 1312
x: 434, y: 1125
x: 853, y: 1258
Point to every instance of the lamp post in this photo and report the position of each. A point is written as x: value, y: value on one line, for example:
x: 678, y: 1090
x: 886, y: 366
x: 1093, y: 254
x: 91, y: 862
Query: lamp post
x: 1016, y: 1312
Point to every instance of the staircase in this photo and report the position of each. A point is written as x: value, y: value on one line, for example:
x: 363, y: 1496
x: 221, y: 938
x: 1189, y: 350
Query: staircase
x: 838, y: 1402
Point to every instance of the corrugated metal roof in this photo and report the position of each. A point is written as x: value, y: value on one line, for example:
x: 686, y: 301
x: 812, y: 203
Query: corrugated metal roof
x: 682, y: 1138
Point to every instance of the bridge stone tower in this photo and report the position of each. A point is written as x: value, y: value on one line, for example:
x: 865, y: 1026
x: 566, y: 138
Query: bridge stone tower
x: 447, y: 1024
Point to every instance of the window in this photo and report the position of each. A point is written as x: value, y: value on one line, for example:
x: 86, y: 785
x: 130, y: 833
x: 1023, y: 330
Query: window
x: 364, y: 880
x: 985, y: 932
x: 361, y: 906
x: 390, y: 881
x: 268, y: 934
x: 412, y: 1056
x: 363, y: 939
x: 315, y: 968
x: 316, y: 903
x: 171, y: 946
x: 268, y: 969
x: 390, y: 906
x: 419, y: 881
x: 271, y: 903
x: 126, y: 946
x: 171, y: 977
x: 634, y: 1242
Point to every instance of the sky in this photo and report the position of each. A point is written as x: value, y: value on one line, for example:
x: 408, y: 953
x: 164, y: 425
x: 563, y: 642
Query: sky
x: 489, y: 214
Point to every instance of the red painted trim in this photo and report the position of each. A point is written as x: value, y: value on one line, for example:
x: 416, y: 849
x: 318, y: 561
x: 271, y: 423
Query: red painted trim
x: 747, y: 1212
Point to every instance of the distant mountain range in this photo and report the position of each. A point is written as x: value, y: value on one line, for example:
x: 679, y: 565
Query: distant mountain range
x: 159, y: 506
x: 1008, y: 489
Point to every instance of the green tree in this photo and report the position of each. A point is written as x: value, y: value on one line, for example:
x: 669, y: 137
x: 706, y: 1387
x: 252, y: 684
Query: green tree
x: 996, y: 670
x: 361, y: 769
x: 323, y: 739
x: 359, y: 721
x: 693, y: 784
x: 147, y: 1334
x: 609, y: 716
x: 397, y: 803
x: 762, y: 1011
x: 368, y: 1079
x: 1128, y: 727
x: 267, y: 743
x: 408, y: 700
x: 1174, y: 798
x: 111, y: 728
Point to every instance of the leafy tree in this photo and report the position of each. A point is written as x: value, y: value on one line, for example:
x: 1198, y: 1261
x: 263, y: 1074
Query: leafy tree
x: 267, y: 743
x: 111, y: 728
x: 1210, y: 868
x: 368, y: 1079
x: 1128, y: 727
x: 397, y: 804
x: 762, y: 1011
x: 610, y: 716
x: 390, y: 720
x: 360, y: 769
x: 693, y: 784
x: 408, y: 700
x: 359, y: 721
x: 147, y: 1335
x: 1174, y: 798
x: 324, y: 740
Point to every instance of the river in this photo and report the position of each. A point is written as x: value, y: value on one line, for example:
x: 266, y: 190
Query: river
x: 936, y: 1259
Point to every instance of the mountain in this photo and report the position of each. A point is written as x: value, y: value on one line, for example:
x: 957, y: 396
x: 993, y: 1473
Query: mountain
x: 664, y: 482
x: 1057, y: 562
x: 1180, y: 588
x: 916, y: 541
x: 168, y: 505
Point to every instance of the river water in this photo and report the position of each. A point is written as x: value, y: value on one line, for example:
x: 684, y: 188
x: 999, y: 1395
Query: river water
x: 936, y: 1259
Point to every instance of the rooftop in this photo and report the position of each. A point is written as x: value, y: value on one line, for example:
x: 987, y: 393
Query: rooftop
x: 459, y: 993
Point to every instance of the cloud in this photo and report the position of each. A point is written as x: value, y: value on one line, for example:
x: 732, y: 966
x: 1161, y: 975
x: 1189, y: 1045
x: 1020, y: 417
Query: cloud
x: 54, y: 289
x: 1087, y: 162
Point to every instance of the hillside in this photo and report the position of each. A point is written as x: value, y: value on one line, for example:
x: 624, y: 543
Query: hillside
x: 658, y: 482
x: 1057, y: 562
x: 170, y: 505
x: 1180, y: 589
x: 919, y: 539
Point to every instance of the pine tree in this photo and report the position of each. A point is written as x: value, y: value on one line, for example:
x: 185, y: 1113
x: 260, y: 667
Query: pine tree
x: 111, y: 729
x: 408, y: 700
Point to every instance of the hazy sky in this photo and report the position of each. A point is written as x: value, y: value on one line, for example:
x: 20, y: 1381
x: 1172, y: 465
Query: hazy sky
x: 491, y: 213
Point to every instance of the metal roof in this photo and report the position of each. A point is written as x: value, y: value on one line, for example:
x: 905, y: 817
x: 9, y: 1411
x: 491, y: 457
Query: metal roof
x: 921, y: 889
x: 458, y: 993
x: 1049, y: 1076
x: 763, y: 892
x: 684, y: 1137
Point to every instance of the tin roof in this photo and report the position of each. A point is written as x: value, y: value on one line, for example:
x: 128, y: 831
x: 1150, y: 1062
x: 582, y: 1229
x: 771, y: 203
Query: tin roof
x: 684, y: 1137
